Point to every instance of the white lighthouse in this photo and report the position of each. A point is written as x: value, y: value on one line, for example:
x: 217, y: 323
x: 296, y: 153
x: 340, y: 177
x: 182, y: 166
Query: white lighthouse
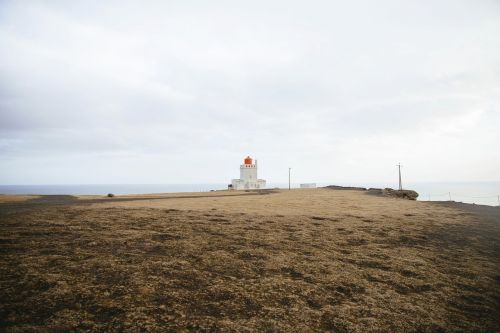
x: 248, y: 177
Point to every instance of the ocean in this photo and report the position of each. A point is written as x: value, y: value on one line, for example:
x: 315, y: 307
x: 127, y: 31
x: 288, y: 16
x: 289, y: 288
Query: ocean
x: 484, y: 193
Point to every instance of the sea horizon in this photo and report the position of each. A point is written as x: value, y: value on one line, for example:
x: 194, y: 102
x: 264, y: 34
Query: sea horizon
x: 480, y: 192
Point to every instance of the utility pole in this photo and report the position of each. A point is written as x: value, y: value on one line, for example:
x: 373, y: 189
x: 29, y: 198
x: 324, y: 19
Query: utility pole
x: 400, y: 184
x: 289, y: 186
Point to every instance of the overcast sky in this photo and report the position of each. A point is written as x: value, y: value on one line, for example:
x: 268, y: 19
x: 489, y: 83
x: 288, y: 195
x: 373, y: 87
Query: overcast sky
x: 181, y: 91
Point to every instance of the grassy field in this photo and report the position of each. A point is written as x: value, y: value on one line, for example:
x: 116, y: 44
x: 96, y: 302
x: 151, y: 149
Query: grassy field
x: 284, y: 261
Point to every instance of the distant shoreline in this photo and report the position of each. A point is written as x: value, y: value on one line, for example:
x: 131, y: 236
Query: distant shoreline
x: 481, y: 193
x: 29, y: 200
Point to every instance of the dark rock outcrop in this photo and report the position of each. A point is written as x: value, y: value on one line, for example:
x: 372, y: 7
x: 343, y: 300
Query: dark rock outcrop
x: 386, y: 192
x: 349, y: 188
x: 402, y: 194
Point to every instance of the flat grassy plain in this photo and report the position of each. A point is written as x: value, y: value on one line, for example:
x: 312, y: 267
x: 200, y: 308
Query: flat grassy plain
x: 278, y: 261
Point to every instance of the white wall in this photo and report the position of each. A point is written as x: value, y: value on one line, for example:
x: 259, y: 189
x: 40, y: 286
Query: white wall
x: 248, y: 172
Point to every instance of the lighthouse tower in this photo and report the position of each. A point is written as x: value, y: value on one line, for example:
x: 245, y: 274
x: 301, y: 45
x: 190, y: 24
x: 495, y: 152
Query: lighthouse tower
x: 248, y: 176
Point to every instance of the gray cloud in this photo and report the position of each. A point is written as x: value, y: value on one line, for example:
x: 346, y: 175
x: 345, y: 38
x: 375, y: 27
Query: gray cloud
x: 341, y: 91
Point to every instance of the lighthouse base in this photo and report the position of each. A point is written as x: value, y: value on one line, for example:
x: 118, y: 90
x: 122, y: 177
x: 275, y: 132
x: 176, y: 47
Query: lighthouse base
x: 240, y: 184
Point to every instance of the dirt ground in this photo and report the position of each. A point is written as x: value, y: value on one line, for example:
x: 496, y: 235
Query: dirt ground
x: 280, y: 261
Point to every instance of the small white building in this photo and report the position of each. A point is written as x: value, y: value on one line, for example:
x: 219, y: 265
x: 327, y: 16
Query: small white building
x: 308, y: 185
x: 248, y: 177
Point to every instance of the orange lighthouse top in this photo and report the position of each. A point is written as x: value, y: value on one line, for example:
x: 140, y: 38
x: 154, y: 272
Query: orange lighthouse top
x: 248, y: 160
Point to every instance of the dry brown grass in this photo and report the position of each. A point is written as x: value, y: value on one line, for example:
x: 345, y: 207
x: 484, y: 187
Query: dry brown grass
x: 16, y: 198
x: 293, y: 261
